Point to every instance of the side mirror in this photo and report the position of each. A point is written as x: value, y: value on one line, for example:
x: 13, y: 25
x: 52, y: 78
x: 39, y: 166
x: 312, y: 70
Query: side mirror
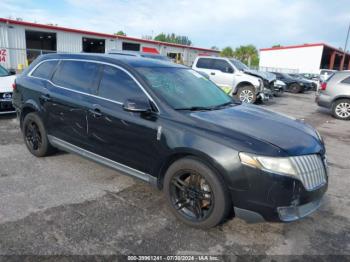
x: 12, y: 72
x: 137, y: 105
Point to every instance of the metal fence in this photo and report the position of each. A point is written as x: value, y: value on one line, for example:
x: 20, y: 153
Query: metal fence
x: 279, y: 69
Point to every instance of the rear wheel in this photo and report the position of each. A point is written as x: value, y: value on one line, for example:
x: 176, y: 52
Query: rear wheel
x: 294, y: 88
x: 341, y: 109
x: 35, y: 136
x: 196, y: 194
x: 247, y: 94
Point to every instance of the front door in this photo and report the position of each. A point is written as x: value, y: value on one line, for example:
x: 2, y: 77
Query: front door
x: 125, y: 137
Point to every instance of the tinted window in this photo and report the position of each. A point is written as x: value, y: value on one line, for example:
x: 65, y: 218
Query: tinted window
x: 346, y: 80
x: 3, y: 71
x: 204, y: 63
x: 222, y: 65
x: 45, y: 69
x: 118, y: 86
x: 77, y: 75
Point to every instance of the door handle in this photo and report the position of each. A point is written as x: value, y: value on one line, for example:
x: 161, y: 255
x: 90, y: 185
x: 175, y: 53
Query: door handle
x: 95, y: 112
x: 212, y: 73
x: 45, y: 98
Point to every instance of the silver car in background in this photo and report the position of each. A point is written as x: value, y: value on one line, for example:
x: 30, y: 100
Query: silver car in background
x: 334, y: 93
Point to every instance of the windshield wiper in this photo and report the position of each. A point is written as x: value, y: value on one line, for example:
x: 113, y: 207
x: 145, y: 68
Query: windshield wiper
x: 195, y: 108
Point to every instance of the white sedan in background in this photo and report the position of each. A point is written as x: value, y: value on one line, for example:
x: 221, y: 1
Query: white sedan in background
x: 6, y: 81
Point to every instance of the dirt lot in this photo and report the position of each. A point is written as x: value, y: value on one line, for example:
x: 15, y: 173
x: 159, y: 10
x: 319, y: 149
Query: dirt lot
x: 65, y: 204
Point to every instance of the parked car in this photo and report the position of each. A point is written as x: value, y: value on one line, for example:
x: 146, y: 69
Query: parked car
x: 334, y: 93
x: 167, y: 125
x: 140, y: 54
x: 6, y: 81
x: 234, y: 77
x: 294, y: 85
x: 313, y: 83
x: 325, y: 73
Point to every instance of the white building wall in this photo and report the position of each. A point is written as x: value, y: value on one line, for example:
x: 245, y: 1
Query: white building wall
x: 302, y: 59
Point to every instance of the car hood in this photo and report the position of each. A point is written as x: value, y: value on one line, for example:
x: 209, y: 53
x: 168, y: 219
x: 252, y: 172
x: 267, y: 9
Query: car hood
x: 290, y: 135
x: 265, y: 75
x: 6, y: 83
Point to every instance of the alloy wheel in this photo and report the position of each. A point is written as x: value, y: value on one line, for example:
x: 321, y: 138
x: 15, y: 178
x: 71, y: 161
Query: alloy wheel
x: 191, y: 195
x: 343, y: 110
x: 246, y: 96
x: 33, y: 136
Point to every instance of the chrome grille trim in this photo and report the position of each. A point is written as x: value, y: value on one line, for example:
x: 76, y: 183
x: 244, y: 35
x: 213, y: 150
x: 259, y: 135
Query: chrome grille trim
x: 310, y: 170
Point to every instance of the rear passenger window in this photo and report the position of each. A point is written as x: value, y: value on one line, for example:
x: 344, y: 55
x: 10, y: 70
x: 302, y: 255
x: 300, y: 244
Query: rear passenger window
x: 204, y: 63
x: 77, y: 75
x: 45, y: 70
x: 346, y: 80
x: 118, y: 85
x: 222, y: 65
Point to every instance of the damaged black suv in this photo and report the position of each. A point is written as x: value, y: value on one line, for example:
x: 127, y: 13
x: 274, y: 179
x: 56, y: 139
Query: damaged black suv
x: 169, y: 126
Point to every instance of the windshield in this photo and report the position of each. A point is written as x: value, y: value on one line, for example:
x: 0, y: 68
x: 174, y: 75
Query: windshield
x: 239, y: 65
x: 3, y: 71
x: 184, y: 88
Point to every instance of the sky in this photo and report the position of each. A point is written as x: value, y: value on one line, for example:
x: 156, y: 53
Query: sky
x: 207, y: 23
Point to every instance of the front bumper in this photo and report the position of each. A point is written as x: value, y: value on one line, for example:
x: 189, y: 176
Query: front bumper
x: 6, y: 107
x: 275, y: 198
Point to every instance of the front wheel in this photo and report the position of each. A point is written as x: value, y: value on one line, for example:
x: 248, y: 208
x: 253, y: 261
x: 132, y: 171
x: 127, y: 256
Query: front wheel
x: 196, y: 194
x: 294, y: 88
x: 341, y: 109
x: 247, y: 94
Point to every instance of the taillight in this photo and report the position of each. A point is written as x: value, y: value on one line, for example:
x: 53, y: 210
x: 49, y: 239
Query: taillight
x: 14, y: 86
x: 323, y: 85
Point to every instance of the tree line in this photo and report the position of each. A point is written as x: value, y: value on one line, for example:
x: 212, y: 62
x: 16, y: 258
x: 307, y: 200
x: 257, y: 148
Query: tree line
x: 248, y: 54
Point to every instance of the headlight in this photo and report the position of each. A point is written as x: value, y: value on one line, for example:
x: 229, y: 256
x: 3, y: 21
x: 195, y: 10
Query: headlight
x: 281, y: 165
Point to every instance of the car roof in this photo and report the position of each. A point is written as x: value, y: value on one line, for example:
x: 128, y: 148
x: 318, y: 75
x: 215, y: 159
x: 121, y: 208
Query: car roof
x: 133, y: 61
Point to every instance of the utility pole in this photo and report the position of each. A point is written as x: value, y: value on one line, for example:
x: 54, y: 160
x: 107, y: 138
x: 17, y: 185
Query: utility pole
x: 346, y: 43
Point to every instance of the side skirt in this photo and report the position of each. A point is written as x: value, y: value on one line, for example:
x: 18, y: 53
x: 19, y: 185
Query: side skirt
x: 65, y: 146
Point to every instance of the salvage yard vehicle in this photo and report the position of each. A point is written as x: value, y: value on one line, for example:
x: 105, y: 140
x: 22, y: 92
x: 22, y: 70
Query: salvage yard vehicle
x: 294, y: 85
x: 165, y: 124
x: 6, y: 81
x: 313, y: 83
x: 234, y: 77
x: 334, y: 93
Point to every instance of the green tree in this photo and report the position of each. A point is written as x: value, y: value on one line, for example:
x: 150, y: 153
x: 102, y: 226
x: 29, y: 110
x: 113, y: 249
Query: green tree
x: 278, y: 45
x: 248, y: 54
x: 120, y: 32
x: 227, y: 52
x: 173, y: 38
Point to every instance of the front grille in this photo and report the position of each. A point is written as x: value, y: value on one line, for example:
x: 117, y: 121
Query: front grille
x: 311, y: 170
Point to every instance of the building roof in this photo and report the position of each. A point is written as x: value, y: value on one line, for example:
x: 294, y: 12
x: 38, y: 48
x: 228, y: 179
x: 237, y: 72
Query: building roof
x: 71, y: 30
x: 302, y: 46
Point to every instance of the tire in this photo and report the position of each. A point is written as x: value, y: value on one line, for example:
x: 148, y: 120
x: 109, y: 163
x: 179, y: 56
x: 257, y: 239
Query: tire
x: 341, y: 109
x: 35, y: 136
x: 214, y: 204
x: 247, y: 94
x: 294, y: 88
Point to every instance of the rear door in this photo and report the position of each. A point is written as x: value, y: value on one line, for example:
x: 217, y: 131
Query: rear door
x: 70, y: 92
x: 128, y: 138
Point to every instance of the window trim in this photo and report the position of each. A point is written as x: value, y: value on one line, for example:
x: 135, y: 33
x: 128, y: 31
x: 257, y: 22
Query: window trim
x: 84, y: 93
x: 52, y: 72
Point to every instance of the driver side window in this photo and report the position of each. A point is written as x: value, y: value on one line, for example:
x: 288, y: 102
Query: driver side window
x: 118, y: 86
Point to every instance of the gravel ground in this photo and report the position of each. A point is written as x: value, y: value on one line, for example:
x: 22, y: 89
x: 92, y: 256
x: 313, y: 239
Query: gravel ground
x: 65, y: 204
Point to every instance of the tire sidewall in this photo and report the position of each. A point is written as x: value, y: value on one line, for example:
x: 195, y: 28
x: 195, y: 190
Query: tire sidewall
x: 295, y: 88
x: 335, y: 104
x: 252, y: 89
x: 45, y: 146
x: 221, y: 200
